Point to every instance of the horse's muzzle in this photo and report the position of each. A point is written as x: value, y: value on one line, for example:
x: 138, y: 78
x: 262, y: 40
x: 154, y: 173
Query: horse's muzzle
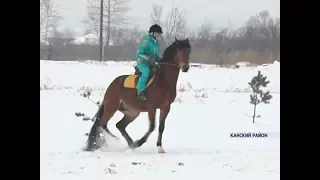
x: 185, y: 68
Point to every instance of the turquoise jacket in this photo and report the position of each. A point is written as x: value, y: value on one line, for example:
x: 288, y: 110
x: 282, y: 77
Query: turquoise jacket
x: 148, y: 47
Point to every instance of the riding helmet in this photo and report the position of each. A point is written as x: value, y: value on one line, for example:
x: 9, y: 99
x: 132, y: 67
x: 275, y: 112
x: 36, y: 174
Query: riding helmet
x: 155, y: 28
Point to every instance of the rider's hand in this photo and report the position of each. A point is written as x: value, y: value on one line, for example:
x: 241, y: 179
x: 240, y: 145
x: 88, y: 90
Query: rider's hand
x: 151, y: 59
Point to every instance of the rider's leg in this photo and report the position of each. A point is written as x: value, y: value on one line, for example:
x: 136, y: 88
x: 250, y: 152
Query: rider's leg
x: 145, y: 72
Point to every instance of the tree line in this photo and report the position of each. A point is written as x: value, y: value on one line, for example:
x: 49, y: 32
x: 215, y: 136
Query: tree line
x: 257, y: 41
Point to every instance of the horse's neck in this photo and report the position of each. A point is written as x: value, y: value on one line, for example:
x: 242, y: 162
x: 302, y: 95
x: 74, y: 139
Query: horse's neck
x: 169, y: 74
x: 170, y: 77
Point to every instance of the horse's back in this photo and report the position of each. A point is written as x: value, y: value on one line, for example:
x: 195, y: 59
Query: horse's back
x: 117, y: 82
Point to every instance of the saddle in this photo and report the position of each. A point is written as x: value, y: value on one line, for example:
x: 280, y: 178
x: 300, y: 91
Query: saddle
x: 131, y: 81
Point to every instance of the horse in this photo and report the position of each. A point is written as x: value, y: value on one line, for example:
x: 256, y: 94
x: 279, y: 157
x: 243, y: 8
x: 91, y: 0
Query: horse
x: 121, y: 95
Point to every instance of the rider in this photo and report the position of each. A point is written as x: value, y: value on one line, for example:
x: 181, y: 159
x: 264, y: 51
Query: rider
x: 147, y: 55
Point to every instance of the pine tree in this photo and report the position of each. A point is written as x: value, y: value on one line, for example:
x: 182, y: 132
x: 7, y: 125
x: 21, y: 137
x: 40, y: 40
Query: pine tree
x: 258, y: 95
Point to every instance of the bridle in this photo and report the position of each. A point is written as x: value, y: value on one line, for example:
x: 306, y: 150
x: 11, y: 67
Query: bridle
x: 170, y: 64
x: 176, y: 62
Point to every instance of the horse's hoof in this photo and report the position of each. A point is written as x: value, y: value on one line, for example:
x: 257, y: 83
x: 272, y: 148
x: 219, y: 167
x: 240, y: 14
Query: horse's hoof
x: 135, y: 145
x: 160, y: 149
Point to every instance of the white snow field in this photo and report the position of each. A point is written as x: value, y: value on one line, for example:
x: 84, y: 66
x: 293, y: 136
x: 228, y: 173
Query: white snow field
x: 211, y: 103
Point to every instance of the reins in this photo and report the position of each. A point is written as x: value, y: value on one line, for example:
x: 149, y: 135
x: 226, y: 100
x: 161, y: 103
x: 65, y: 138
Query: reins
x: 168, y: 64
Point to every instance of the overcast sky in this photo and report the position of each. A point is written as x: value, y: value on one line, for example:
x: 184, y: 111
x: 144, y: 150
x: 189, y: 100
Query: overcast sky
x: 219, y: 11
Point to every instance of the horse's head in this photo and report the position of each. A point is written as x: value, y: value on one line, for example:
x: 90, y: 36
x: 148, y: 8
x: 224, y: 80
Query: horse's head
x: 183, y: 50
x: 178, y: 54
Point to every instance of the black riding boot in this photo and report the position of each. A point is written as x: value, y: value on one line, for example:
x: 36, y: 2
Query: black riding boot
x: 142, y: 95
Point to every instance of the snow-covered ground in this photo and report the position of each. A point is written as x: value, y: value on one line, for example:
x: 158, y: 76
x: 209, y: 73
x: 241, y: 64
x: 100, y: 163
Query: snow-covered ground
x: 211, y: 103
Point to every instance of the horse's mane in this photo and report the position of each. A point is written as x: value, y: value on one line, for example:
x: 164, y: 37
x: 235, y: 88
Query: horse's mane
x: 171, y: 50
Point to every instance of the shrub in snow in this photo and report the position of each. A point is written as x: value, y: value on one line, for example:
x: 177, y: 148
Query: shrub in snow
x: 184, y: 86
x: 259, y: 96
x: 45, y: 83
x: 200, y: 93
x: 85, y: 117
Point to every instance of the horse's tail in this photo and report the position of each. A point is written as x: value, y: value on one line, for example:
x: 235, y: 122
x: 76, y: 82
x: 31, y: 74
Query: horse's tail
x: 91, y: 142
x: 99, y: 113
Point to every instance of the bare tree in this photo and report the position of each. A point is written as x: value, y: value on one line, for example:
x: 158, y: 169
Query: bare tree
x: 202, y: 36
x: 264, y: 17
x: 49, y: 18
x: 175, y: 25
x: 274, y: 28
x: 42, y: 15
x: 68, y: 33
x: 56, y: 34
x: 117, y: 36
x: 92, y: 21
x: 123, y: 36
x: 133, y: 35
x: 206, y: 32
x: 252, y: 27
x: 156, y: 15
x: 257, y: 42
x: 114, y: 15
x: 262, y: 26
x: 192, y: 35
x: 87, y: 31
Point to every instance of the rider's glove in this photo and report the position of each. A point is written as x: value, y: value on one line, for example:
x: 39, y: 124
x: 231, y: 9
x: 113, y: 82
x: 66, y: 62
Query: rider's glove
x: 151, y: 59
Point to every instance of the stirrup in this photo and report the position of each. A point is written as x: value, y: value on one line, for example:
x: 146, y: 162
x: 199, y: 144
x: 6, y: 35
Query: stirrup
x: 142, y: 96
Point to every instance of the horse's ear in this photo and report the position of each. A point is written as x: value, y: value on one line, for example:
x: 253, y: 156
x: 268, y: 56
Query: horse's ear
x: 175, y: 39
x: 187, y: 39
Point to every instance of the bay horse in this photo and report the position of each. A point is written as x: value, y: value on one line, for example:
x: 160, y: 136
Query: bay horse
x: 161, y: 92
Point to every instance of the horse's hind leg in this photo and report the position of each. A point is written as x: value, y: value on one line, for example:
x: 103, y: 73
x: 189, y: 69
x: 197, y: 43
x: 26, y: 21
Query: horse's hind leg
x: 109, y: 110
x: 108, y: 131
x: 128, y: 117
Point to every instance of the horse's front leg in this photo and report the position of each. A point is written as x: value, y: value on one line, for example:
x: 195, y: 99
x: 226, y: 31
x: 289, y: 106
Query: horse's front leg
x: 152, y: 115
x: 163, y: 115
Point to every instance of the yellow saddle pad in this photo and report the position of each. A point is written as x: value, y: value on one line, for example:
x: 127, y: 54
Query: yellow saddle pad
x: 131, y: 81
